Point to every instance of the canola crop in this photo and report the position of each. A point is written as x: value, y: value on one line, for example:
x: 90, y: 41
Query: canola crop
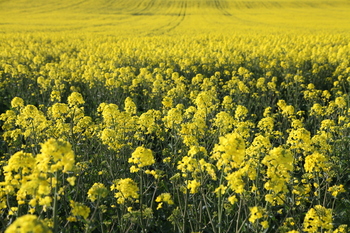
x: 179, y: 126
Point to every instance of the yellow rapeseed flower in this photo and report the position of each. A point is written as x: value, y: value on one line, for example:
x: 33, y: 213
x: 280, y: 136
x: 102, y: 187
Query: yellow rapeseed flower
x: 79, y: 209
x: 75, y: 99
x: 318, y: 219
x: 127, y: 189
x: 256, y: 213
x: 28, y: 224
x: 98, y: 190
x: 141, y: 157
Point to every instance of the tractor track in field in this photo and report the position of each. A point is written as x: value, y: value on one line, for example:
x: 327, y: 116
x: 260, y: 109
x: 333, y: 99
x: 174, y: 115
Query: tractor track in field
x: 222, y: 6
x: 143, y: 8
x: 229, y: 13
x: 178, y: 19
x: 69, y: 6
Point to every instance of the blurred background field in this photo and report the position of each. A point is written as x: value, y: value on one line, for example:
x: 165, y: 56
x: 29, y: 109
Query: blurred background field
x: 173, y: 17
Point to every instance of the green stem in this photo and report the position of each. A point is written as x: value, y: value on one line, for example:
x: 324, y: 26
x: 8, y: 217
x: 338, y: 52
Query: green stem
x: 55, y: 224
x: 184, y: 213
x: 220, y: 205
x: 208, y: 211
x: 140, y: 200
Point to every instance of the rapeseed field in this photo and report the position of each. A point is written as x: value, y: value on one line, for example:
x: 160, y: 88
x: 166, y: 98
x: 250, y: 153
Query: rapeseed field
x: 174, y: 116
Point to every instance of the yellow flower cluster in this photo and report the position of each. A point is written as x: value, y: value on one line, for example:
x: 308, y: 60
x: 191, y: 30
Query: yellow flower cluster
x: 97, y: 191
x: 141, y: 157
x: 79, y: 209
x: 28, y: 223
x: 33, y: 179
x: 318, y: 219
x: 164, y: 198
x: 127, y: 189
x: 279, y: 164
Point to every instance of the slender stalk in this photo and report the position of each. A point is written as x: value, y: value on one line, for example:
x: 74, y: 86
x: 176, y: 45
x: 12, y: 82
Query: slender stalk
x: 209, y: 214
x: 239, y: 215
x: 93, y: 214
x: 220, y: 205
x: 184, y: 213
x: 140, y: 200
x: 55, y: 223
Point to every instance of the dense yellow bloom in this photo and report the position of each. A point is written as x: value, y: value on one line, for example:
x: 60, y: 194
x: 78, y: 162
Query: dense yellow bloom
x: 260, y: 146
x: 315, y: 162
x: 193, y: 186
x: 191, y: 165
x: 17, y: 102
x: 266, y: 125
x: 260, y: 84
x: 317, y: 110
x: 205, y: 101
x: 240, y: 112
x: 340, y: 102
x: 318, y: 218
x: 127, y: 188
x: 71, y: 180
x: 20, y: 162
x: 167, y: 102
x: 230, y: 151
x: 287, y: 110
x: 256, y: 213
x: 264, y: 224
x: 227, y: 102
x: 97, y: 191
x: 79, y: 209
x: 31, y: 122
x: 29, y: 175
x: 59, y: 110
x: 279, y: 164
x: 174, y: 117
x: 117, y: 126
x: 75, y: 99
x: 141, y: 157
x: 300, y: 139
x: 27, y: 224
x: 130, y: 106
x: 224, y: 122
x: 57, y: 151
x: 148, y: 121
x: 235, y: 180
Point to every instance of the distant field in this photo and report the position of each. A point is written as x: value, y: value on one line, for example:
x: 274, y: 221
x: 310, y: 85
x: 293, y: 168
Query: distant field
x: 158, y: 17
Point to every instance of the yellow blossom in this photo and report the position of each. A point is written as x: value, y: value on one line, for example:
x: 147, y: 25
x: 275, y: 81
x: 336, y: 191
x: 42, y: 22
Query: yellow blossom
x: 193, y: 186
x: 75, y: 99
x: 98, y: 190
x: 127, y: 189
x: 256, y: 213
x: 27, y: 224
x: 318, y: 219
x: 79, y: 209
x: 141, y: 157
